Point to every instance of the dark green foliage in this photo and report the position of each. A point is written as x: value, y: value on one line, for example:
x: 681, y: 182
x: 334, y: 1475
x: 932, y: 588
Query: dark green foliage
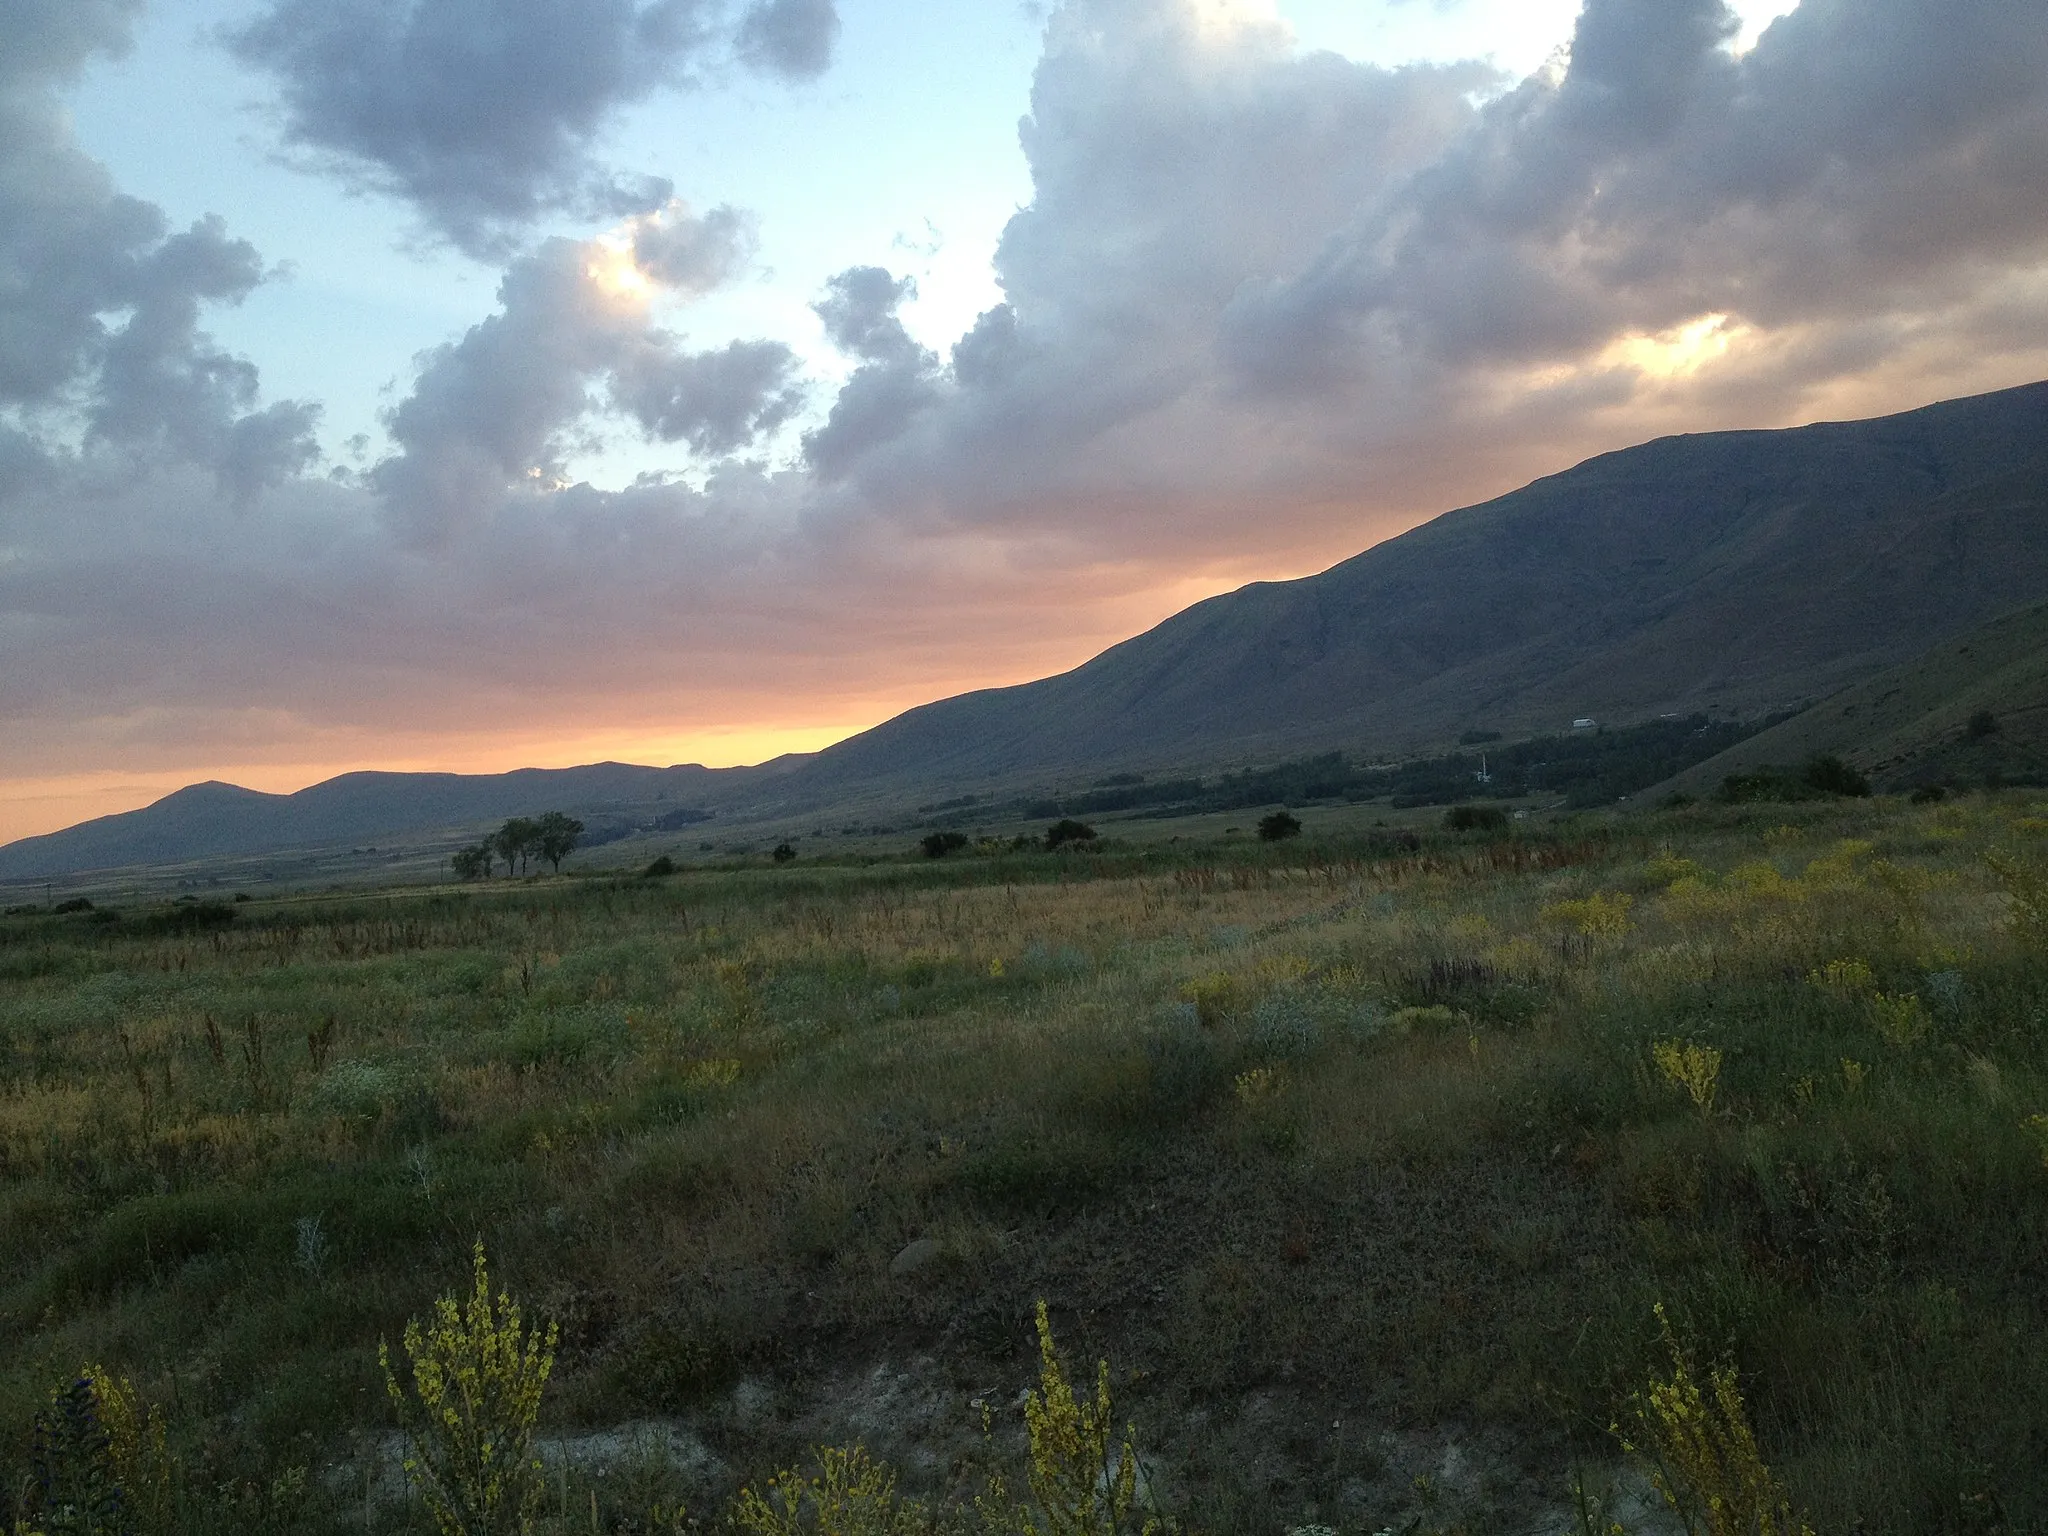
x: 1928, y: 794
x: 1586, y: 768
x: 1066, y: 831
x: 73, y: 904
x: 783, y: 853
x: 71, y: 1463
x: 1983, y: 723
x: 1822, y: 777
x: 1475, y: 818
x: 189, y: 917
x: 660, y: 869
x: 555, y: 836
x: 937, y: 845
x: 473, y: 863
x: 1831, y: 776
x: 1278, y: 825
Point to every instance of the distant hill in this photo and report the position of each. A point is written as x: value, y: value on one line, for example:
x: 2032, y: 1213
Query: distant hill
x: 214, y: 820
x: 1913, y: 724
x: 1733, y: 573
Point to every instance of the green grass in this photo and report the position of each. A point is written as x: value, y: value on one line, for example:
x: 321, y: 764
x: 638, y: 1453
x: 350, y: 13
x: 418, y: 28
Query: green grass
x: 1356, y: 1134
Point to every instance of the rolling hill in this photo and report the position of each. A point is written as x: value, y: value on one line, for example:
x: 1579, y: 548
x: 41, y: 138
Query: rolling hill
x: 215, y: 820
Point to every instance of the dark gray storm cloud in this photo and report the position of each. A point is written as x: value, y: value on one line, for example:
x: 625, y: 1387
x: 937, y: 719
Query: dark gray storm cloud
x: 481, y: 114
x: 101, y: 348
x: 497, y: 411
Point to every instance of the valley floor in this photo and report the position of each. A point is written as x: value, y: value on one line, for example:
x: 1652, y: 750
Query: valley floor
x: 1365, y: 1160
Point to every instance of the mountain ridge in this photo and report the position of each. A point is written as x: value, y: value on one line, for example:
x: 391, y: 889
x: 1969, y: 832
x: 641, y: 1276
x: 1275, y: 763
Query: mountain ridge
x: 1731, y: 573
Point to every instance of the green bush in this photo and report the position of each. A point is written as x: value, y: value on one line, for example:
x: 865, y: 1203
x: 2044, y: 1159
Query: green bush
x: 1278, y: 825
x: 1066, y: 831
x: 1476, y: 818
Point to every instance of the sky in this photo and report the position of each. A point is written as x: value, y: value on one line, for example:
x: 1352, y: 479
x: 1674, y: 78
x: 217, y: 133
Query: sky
x: 471, y: 384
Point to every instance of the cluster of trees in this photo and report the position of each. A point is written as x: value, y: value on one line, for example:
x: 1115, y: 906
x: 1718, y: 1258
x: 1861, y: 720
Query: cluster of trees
x: 552, y: 836
x: 1822, y: 777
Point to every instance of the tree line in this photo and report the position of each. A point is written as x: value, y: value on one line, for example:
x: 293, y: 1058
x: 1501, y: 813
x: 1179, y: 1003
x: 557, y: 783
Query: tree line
x: 552, y: 836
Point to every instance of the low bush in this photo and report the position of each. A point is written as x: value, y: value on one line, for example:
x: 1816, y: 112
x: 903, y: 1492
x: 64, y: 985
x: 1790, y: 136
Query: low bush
x: 1062, y: 833
x: 1277, y: 826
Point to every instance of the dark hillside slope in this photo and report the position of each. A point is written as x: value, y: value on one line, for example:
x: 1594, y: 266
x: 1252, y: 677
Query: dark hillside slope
x: 1734, y: 572
x: 1971, y: 710
x: 213, y: 820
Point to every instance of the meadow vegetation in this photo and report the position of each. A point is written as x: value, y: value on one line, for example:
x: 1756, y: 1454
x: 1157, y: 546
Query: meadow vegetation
x: 1393, y: 1176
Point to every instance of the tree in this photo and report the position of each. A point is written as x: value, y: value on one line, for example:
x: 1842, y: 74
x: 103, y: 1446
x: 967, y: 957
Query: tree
x: 937, y: 845
x: 555, y: 835
x: 783, y: 853
x: 473, y: 863
x: 1065, y: 831
x: 514, y: 842
x: 1831, y: 776
x: 1278, y: 825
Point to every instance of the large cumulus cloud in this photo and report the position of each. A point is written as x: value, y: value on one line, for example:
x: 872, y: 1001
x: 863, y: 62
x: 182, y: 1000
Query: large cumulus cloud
x: 101, y: 350
x: 492, y: 412
x: 481, y: 113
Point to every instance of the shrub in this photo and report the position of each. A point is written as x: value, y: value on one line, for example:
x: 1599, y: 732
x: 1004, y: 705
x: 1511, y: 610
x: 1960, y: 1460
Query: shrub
x: 1695, y: 1068
x: 853, y: 1495
x: 1475, y: 818
x: 77, y: 1488
x: 1983, y: 723
x: 477, y: 1376
x: 937, y: 845
x: 73, y: 904
x: 1067, y: 830
x: 1278, y: 825
x: 1831, y: 776
x: 1928, y: 794
x: 660, y: 869
x: 1083, y: 1482
x: 783, y: 853
x: 1703, y: 1455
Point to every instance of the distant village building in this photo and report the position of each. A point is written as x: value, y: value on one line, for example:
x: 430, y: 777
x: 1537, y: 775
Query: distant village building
x: 1584, y: 723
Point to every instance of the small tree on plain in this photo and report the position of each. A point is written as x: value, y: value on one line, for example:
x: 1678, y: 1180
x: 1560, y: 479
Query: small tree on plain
x: 555, y: 836
x: 473, y: 863
x: 514, y: 842
x: 1278, y: 825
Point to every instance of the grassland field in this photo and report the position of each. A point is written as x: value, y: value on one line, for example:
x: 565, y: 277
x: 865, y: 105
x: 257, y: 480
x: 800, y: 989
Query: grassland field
x: 1356, y: 1155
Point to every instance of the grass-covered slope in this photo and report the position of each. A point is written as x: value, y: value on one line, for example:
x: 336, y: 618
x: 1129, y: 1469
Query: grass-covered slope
x: 1970, y: 711
x: 1355, y: 1157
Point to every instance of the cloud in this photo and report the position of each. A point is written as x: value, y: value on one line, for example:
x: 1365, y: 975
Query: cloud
x: 482, y: 114
x: 792, y: 38
x: 1861, y: 158
x: 896, y: 377
x: 101, y: 349
x: 495, y: 411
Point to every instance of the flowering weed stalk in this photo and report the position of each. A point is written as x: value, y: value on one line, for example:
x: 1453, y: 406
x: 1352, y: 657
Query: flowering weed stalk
x: 477, y: 1377
x: 1695, y: 1068
x: 1703, y: 1455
